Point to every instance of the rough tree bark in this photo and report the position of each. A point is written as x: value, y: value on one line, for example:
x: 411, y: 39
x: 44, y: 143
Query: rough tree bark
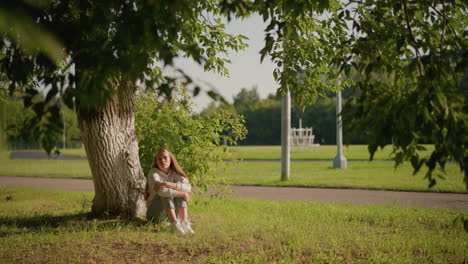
x: 112, y: 150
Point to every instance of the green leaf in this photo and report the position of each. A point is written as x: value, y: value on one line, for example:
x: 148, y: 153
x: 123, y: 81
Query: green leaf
x: 196, y: 91
x: 432, y: 182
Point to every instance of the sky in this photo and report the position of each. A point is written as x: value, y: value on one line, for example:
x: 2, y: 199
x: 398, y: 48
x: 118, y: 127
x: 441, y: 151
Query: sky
x: 245, y: 70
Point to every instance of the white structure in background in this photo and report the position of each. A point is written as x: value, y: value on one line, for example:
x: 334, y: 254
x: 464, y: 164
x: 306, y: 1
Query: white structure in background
x: 302, y: 137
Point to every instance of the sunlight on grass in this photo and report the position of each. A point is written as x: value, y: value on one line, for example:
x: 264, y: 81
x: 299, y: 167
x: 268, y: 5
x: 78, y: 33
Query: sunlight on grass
x: 40, y: 226
x: 44, y: 168
x: 325, y: 152
x: 365, y: 175
x: 80, y: 152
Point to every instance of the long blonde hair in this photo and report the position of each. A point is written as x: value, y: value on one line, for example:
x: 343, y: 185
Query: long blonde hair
x: 174, y: 164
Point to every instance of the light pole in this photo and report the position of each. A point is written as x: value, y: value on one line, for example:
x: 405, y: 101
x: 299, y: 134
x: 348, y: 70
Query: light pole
x: 285, y: 135
x: 340, y: 160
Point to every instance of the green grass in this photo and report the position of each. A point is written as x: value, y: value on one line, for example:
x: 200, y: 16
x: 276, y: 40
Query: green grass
x: 41, y: 226
x: 325, y: 152
x: 359, y: 174
x: 44, y: 168
x: 79, y: 152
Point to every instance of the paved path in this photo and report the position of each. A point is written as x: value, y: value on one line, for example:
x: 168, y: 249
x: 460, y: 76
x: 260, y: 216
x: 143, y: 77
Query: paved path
x: 36, y: 155
x: 410, y: 199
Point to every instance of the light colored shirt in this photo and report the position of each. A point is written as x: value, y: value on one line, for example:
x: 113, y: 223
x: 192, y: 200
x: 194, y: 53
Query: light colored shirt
x: 155, y: 175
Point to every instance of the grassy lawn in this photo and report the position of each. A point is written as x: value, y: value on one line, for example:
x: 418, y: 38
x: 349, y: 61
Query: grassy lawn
x: 79, y: 152
x: 44, y: 168
x: 325, y: 152
x: 41, y: 226
x: 359, y: 174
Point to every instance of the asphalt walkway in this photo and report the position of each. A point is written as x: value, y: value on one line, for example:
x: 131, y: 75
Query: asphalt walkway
x: 41, y: 156
x: 352, y: 196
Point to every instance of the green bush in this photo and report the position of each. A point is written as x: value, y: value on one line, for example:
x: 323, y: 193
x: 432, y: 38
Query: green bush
x: 197, y: 142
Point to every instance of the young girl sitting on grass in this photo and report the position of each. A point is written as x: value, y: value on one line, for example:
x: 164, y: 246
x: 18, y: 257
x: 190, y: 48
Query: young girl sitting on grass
x: 167, y: 180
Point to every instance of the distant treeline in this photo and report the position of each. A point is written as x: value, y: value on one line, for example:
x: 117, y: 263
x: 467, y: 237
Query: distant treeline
x: 263, y: 117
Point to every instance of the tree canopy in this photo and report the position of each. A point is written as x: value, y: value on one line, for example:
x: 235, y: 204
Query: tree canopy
x: 411, y: 57
x: 110, y: 41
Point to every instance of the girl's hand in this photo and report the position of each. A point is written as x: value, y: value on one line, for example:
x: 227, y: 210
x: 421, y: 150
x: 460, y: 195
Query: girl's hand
x: 159, y: 185
x: 186, y: 197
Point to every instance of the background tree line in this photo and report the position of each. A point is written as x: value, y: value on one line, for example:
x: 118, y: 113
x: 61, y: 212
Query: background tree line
x: 263, y: 117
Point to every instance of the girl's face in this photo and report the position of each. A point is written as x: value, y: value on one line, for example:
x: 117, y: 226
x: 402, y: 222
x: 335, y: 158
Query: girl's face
x: 164, y: 161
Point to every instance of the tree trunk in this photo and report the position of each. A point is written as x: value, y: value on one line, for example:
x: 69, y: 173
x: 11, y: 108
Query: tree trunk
x: 112, y: 150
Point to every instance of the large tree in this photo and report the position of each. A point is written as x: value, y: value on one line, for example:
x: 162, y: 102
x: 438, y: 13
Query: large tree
x: 109, y: 47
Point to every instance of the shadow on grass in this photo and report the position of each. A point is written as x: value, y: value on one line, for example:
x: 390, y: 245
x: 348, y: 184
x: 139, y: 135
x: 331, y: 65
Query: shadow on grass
x: 78, y: 222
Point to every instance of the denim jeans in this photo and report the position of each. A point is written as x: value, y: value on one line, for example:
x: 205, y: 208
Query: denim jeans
x: 173, y: 202
x: 157, y: 209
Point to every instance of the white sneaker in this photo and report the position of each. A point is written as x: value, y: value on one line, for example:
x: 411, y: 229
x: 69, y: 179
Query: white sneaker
x: 187, y: 227
x: 176, y: 227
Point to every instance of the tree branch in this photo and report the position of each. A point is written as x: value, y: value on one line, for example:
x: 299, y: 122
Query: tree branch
x: 444, y: 19
x: 410, y: 31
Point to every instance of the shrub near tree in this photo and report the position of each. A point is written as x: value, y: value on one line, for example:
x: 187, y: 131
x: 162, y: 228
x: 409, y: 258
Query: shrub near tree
x: 197, y: 141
